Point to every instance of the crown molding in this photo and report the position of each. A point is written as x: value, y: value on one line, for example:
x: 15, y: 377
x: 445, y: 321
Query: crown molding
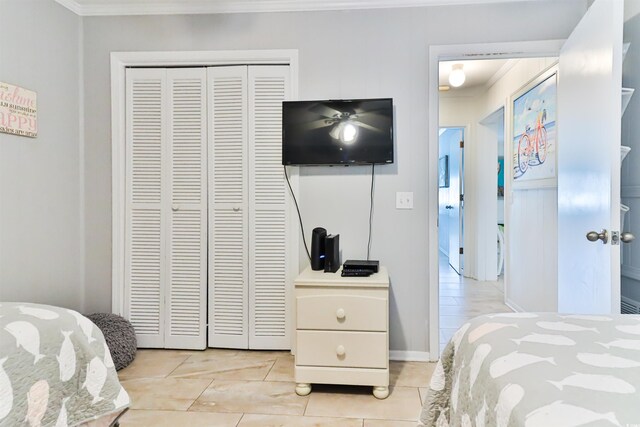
x: 182, y: 7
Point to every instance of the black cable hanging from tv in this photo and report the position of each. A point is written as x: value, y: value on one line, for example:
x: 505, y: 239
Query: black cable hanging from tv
x: 304, y: 240
x: 373, y: 166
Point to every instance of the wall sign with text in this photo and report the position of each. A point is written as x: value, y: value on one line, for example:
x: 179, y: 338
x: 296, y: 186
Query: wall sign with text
x: 18, y: 111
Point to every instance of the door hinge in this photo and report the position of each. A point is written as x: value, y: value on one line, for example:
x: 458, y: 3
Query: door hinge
x: 461, y: 144
x: 461, y: 251
x: 462, y: 197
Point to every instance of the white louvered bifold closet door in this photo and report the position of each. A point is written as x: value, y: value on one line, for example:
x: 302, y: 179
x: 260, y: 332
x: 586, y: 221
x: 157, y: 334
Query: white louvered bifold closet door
x: 186, y: 297
x: 165, y: 255
x: 228, y: 208
x: 269, y: 281
x: 144, y: 294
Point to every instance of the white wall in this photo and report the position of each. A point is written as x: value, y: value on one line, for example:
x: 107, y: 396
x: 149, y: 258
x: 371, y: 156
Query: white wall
x: 41, y: 225
x: 630, y: 169
x: 532, y: 253
x: 343, y: 54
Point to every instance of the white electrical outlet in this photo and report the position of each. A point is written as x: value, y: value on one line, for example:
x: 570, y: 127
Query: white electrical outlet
x: 404, y: 200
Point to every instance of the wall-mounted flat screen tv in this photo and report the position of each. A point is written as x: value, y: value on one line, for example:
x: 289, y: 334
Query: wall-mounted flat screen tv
x: 337, y: 132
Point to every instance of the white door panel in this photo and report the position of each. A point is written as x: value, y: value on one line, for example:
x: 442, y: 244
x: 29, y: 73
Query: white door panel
x: 228, y: 208
x: 165, y: 265
x: 144, y: 283
x: 269, y: 279
x: 186, y: 210
x: 589, y: 113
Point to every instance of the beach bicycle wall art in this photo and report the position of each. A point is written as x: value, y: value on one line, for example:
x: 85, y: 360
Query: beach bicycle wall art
x: 534, y: 143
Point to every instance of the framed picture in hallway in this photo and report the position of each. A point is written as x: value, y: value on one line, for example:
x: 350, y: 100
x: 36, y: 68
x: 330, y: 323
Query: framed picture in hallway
x: 533, y: 129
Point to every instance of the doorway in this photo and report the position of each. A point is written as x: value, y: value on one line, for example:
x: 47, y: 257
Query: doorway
x: 471, y: 217
x: 479, y: 107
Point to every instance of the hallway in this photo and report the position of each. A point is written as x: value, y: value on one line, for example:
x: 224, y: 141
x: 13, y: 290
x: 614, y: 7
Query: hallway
x: 462, y: 298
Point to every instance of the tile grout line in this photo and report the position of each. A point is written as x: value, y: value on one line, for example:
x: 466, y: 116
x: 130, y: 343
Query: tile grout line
x: 240, y: 420
x: 179, y: 364
x: 270, y: 369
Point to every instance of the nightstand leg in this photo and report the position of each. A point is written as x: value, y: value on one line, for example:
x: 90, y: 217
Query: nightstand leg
x: 302, y: 389
x: 381, y: 392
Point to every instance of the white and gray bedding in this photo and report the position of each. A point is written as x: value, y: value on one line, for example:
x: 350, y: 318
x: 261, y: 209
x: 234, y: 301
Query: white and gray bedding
x: 55, y: 368
x: 538, y: 370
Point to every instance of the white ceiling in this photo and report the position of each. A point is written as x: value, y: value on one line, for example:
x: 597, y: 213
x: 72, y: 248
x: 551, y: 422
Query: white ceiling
x: 481, y: 72
x: 167, y: 7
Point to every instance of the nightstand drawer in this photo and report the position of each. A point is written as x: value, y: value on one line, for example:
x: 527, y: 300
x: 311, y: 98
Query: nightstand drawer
x: 342, y: 312
x: 342, y: 349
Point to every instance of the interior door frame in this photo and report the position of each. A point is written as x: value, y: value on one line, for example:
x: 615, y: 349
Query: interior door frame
x: 437, y: 53
x: 120, y: 61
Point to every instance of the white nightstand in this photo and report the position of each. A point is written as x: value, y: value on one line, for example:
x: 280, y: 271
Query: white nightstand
x: 342, y: 330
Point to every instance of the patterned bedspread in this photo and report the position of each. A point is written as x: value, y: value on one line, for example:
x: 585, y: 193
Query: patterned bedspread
x: 55, y: 368
x: 538, y: 370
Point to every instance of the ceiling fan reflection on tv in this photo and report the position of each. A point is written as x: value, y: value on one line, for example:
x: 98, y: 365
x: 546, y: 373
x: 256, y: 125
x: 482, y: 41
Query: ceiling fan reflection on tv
x: 345, y: 124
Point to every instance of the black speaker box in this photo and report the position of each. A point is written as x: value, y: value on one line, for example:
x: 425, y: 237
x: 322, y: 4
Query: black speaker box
x: 317, y: 248
x: 332, y: 253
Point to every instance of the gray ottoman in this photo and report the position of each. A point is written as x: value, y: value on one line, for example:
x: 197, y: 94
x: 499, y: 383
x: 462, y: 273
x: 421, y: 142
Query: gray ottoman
x: 120, y: 337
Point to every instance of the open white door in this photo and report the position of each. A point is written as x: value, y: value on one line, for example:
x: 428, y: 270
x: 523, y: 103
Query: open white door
x: 455, y: 189
x: 589, y: 113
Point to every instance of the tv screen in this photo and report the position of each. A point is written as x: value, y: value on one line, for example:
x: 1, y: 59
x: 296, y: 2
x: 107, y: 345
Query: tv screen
x: 343, y: 132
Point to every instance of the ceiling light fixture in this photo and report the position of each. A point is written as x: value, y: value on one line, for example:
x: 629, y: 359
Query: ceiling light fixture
x: 456, y: 77
x: 348, y: 133
x: 344, y: 131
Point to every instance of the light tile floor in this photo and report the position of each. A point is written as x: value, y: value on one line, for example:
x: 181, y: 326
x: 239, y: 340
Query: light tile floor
x: 462, y: 299
x: 256, y: 388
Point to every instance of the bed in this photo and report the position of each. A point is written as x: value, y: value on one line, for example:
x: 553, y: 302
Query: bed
x: 55, y: 369
x: 538, y: 370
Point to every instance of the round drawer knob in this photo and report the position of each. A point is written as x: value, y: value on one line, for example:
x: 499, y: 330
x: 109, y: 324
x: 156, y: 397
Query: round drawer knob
x: 340, y: 350
x: 175, y: 208
x: 340, y: 313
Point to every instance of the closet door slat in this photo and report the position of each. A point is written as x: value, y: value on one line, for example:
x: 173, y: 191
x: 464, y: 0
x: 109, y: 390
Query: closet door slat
x: 186, y: 208
x: 269, y: 283
x: 144, y: 244
x: 228, y: 207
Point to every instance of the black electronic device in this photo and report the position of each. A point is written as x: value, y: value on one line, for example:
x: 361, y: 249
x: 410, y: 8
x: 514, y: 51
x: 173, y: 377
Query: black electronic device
x: 356, y: 272
x: 331, y: 253
x: 317, y: 248
x: 356, y: 264
x: 337, y: 132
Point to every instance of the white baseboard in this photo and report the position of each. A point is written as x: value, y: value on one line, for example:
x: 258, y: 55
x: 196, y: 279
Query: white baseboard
x: 513, y: 306
x: 409, y: 356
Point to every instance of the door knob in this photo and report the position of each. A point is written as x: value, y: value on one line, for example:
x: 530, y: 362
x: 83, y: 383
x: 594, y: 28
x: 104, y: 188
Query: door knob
x: 627, y: 237
x: 175, y: 208
x: 340, y: 314
x: 448, y: 207
x: 236, y: 209
x: 594, y: 236
x: 340, y: 351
